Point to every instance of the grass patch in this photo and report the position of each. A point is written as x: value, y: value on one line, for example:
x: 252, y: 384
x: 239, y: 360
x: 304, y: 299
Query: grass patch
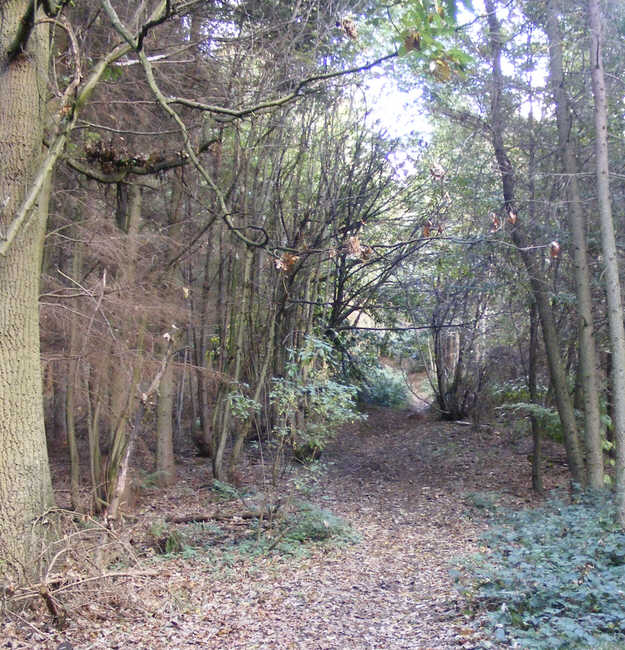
x: 552, y: 577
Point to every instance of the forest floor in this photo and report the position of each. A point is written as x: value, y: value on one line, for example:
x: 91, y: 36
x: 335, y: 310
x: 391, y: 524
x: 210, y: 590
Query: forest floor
x: 417, y: 492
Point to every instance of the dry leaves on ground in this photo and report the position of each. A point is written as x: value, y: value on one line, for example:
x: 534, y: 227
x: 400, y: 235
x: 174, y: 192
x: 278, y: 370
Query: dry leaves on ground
x: 409, y: 486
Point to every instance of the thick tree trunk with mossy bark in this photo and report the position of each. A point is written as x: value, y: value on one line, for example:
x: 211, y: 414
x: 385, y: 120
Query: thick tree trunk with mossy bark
x: 25, y: 486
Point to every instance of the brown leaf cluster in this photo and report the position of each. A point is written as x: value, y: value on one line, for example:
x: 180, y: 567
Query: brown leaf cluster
x: 355, y: 249
x: 286, y: 262
x: 431, y: 229
x: 349, y: 27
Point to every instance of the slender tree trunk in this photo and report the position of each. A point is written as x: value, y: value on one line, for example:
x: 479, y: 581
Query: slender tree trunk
x: 72, y: 385
x: 25, y: 485
x: 609, y: 402
x: 587, y: 350
x: 165, y: 464
x: 608, y: 246
x: 94, y: 407
x: 240, y: 320
x: 260, y: 384
x: 537, y: 452
x: 537, y: 283
x: 204, y: 361
x: 122, y: 401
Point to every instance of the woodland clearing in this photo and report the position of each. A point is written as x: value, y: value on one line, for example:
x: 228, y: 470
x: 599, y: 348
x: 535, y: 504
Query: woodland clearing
x: 416, y: 491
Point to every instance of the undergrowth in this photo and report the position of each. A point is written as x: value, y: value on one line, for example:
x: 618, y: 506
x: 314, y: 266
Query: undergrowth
x: 552, y: 577
x: 384, y: 386
x: 291, y: 535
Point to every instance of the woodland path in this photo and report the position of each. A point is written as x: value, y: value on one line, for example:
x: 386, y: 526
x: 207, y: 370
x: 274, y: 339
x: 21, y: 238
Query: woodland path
x: 407, y: 484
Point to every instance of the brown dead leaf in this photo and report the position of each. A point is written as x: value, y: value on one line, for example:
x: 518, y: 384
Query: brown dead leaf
x: 286, y: 262
x: 349, y: 27
x: 412, y: 41
x: 353, y: 248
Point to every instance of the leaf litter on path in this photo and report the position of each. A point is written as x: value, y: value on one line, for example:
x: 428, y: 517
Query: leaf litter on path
x: 415, y: 490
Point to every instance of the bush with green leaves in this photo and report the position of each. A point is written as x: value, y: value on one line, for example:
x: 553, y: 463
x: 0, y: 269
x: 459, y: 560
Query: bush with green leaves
x: 309, y: 404
x: 167, y: 540
x: 313, y: 524
x: 383, y: 386
x: 511, y: 400
x: 547, y: 417
x: 552, y: 577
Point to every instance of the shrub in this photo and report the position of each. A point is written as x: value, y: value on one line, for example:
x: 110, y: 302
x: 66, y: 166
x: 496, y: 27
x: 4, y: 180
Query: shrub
x: 167, y: 541
x: 486, y: 501
x: 384, y: 387
x: 553, y: 577
x: 313, y: 524
x: 548, y: 418
x: 308, y: 389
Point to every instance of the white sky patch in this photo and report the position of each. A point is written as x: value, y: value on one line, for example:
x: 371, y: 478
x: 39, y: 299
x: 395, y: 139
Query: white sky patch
x: 396, y: 112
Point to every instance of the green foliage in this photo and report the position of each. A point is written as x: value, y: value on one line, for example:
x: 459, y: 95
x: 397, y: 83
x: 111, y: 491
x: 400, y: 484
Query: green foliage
x: 482, y: 501
x: 113, y: 73
x: 149, y: 480
x: 511, y: 391
x: 428, y: 27
x: 307, y: 480
x: 241, y: 406
x: 308, y: 388
x: 225, y: 491
x: 512, y: 398
x: 313, y: 524
x: 547, y: 417
x: 167, y: 541
x: 384, y: 387
x: 290, y: 535
x: 553, y: 577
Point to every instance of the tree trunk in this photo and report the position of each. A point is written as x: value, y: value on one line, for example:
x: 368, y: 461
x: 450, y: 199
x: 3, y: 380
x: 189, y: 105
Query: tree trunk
x: 608, y: 246
x: 122, y: 399
x: 25, y: 485
x: 261, y: 381
x: 537, y: 283
x: 240, y: 320
x: 587, y: 350
x: 537, y: 452
x: 72, y: 386
x: 97, y: 467
x: 165, y: 464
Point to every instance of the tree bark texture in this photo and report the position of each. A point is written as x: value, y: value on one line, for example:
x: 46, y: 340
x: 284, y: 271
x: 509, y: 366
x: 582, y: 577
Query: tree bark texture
x: 587, y: 350
x: 122, y: 386
x: 608, y: 246
x: 165, y: 462
x: 25, y: 485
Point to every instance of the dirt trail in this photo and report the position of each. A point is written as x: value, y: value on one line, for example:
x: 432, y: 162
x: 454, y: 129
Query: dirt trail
x: 408, y: 485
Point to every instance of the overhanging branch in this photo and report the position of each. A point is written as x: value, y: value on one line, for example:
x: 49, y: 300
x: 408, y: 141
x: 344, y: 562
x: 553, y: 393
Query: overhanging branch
x: 279, y: 101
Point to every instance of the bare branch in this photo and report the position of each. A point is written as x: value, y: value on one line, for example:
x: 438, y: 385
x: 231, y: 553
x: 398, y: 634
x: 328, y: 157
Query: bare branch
x: 279, y: 101
x: 67, y: 120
